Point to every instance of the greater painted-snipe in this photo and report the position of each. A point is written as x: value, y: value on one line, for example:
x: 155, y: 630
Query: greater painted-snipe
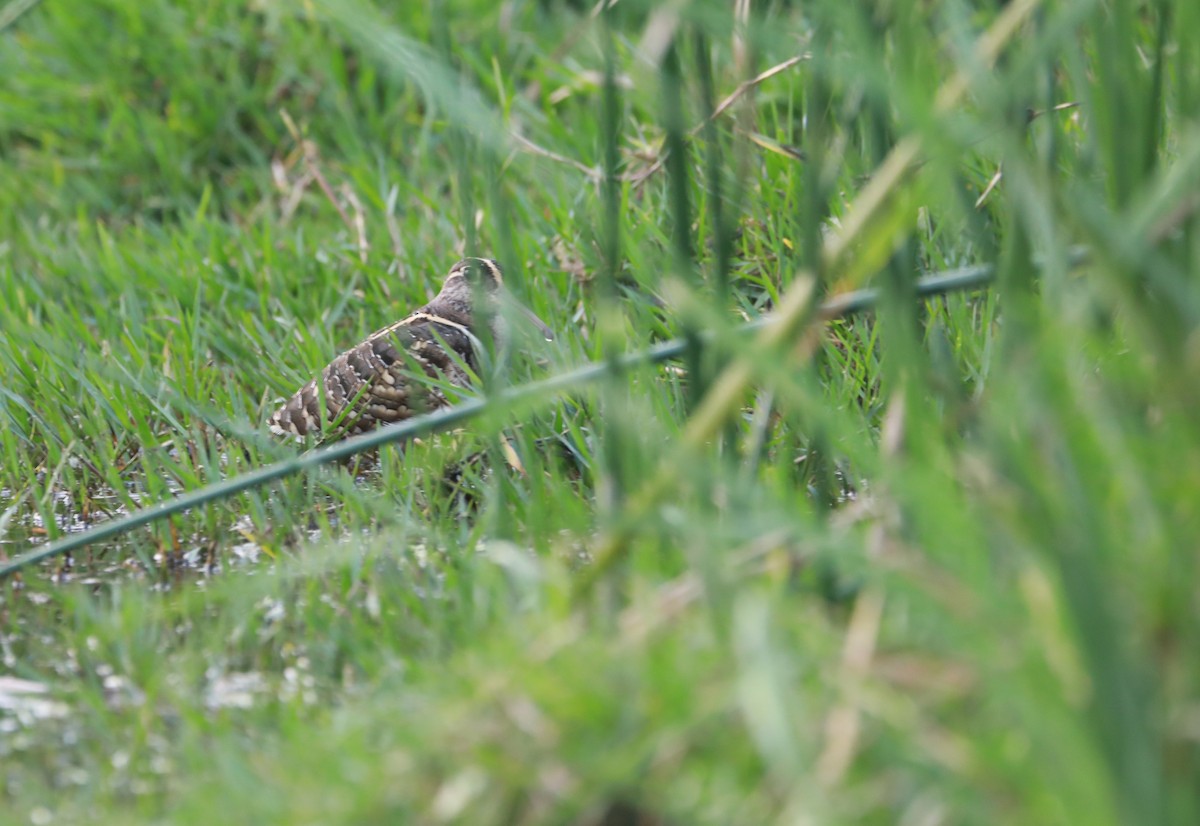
x: 394, y: 374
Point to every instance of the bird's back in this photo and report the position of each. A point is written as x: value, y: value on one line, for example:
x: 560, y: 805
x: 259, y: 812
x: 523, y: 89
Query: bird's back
x: 391, y: 376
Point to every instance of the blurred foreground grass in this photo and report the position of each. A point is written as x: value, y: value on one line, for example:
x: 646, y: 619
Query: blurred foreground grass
x: 933, y: 566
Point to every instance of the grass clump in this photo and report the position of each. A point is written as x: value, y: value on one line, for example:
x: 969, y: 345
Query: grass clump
x: 931, y: 564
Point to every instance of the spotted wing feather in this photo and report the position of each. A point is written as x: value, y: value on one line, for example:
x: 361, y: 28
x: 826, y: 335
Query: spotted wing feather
x: 387, y: 378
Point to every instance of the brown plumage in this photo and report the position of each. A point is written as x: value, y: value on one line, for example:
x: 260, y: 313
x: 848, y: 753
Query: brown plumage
x: 396, y: 372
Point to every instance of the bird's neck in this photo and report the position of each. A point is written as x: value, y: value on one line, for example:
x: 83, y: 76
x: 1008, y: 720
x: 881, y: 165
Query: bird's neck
x: 451, y: 309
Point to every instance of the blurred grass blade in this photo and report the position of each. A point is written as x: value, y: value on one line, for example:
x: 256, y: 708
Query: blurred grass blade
x: 442, y: 420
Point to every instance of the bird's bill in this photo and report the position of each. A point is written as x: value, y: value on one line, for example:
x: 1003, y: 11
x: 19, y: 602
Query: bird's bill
x: 540, y: 325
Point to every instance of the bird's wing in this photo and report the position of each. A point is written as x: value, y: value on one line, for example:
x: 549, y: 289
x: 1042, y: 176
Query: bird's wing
x: 391, y: 376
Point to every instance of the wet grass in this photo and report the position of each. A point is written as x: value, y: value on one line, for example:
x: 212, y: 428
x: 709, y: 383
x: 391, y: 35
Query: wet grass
x: 931, y: 564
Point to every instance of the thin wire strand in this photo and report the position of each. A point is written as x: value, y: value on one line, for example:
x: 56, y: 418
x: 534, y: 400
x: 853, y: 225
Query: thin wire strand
x: 844, y: 305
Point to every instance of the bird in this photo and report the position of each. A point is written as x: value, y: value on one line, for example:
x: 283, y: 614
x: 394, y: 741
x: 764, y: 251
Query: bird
x: 400, y: 371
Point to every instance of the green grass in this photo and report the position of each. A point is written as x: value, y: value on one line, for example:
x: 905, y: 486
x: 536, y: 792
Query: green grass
x: 931, y: 565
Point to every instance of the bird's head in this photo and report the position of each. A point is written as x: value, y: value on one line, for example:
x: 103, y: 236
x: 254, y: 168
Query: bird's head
x: 472, y: 277
x: 468, y: 272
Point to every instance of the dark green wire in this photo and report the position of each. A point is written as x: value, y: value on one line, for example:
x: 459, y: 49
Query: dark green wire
x: 440, y: 420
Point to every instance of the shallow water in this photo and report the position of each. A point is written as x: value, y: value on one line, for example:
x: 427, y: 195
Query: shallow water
x: 23, y: 529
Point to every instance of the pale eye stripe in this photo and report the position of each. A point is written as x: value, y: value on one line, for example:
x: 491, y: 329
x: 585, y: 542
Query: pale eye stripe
x: 493, y: 269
